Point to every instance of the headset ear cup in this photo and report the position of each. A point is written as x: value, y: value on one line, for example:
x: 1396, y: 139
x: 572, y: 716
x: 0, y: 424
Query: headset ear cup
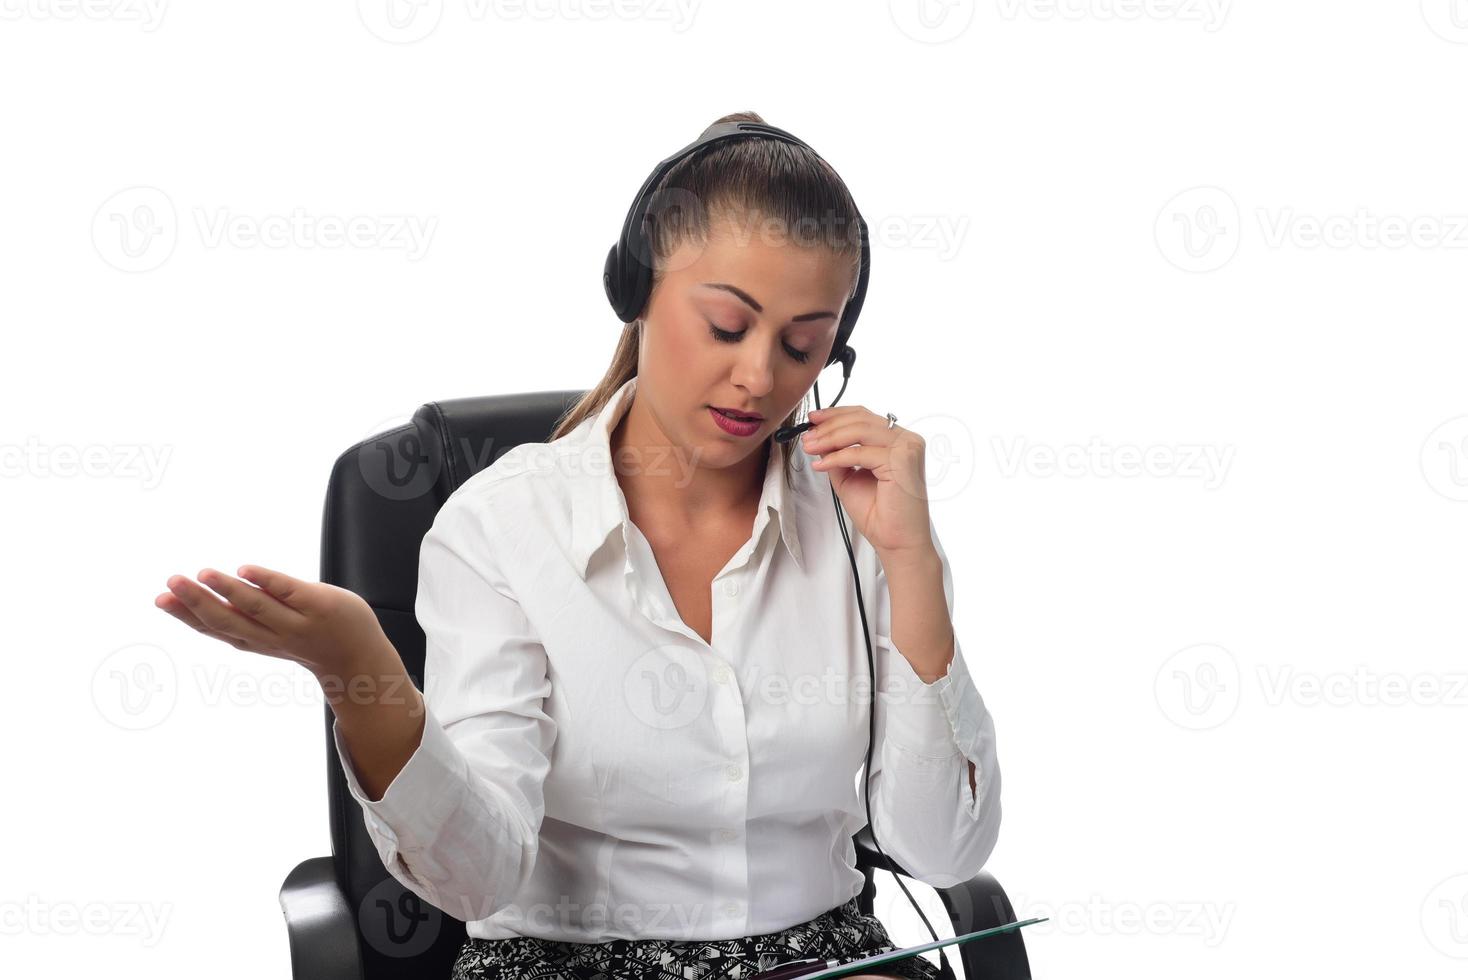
x: 627, y: 288
x: 611, y: 279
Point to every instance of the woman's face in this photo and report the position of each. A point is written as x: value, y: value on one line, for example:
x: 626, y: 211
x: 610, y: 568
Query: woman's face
x: 777, y: 305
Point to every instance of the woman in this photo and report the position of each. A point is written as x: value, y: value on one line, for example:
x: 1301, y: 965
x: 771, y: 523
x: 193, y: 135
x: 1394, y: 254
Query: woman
x: 600, y: 778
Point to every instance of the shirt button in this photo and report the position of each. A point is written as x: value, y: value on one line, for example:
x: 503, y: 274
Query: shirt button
x: 735, y: 773
x: 721, y: 674
x: 731, y: 909
x: 727, y: 834
x: 731, y: 588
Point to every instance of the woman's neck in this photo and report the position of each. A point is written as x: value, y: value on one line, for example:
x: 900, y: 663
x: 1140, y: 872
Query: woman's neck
x: 660, y: 479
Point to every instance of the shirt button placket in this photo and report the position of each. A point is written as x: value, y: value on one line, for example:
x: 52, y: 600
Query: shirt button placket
x: 730, y: 717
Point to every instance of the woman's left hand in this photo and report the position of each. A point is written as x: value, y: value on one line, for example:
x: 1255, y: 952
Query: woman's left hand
x: 887, y: 495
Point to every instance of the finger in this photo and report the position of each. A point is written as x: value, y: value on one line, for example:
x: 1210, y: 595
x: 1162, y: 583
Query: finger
x: 217, y: 616
x: 878, y: 459
x: 258, y: 604
x: 174, y: 606
x: 845, y: 411
x: 290, y: 591
x: 827, y: 414
x: 847, y: 433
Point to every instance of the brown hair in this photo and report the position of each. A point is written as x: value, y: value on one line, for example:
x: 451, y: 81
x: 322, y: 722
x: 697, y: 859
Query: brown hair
x: 770, y: 177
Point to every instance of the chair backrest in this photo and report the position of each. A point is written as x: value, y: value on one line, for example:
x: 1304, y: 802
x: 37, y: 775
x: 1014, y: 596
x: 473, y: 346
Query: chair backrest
x: 380, y: 501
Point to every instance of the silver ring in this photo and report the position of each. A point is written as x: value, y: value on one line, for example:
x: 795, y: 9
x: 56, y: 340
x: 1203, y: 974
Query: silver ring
x: 891, y: 420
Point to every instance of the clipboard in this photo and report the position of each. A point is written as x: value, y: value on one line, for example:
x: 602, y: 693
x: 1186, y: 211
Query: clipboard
x: 866, y: 962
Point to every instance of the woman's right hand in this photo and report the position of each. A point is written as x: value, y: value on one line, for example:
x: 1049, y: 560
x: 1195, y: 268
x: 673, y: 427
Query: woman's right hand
x: 324, y: 628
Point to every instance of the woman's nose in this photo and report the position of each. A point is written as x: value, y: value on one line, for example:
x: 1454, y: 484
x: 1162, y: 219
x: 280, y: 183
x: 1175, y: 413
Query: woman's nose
x: 752, y: 372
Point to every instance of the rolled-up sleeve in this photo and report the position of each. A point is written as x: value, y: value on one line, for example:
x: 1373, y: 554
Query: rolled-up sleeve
x: 459, y: 825
x: 924, y: 813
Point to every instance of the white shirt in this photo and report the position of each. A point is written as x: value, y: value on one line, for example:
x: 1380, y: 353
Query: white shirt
x: 591, y: 769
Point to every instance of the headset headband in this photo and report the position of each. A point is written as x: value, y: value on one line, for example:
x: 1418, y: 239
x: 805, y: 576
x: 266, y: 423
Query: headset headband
x: 628, y: 273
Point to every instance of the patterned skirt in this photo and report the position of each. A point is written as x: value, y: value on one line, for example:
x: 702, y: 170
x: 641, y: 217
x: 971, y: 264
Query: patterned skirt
x: 842, y: 933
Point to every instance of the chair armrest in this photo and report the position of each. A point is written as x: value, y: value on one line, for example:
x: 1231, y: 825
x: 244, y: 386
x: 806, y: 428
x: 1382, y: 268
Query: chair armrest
x: 979, y: 903
x: 319, y: 920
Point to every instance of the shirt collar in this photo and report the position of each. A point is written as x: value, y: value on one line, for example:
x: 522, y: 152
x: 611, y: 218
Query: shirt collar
x: 598, y: 506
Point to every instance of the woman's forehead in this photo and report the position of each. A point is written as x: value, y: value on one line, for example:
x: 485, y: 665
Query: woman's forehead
x: 772, y: 272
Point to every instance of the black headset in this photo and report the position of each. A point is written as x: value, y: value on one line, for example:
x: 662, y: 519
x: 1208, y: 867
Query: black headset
x: 628, y: 281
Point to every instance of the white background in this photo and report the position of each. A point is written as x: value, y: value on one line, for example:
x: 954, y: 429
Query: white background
x: 1227, y: 239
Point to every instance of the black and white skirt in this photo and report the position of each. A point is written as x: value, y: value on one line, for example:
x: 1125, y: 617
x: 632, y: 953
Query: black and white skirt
x: 842, y: 934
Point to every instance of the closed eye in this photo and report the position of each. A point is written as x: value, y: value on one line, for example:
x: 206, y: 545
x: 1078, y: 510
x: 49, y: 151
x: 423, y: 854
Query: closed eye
x: 730, y: 337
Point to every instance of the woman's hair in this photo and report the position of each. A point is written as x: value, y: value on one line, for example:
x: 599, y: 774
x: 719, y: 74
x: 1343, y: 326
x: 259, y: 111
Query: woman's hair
x: 764, y: 177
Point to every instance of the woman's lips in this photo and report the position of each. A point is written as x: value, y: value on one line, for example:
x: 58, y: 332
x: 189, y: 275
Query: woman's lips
x: 738, y: 415
x: 733, y: 426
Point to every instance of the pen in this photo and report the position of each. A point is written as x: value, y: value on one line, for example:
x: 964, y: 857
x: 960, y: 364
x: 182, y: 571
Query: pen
x: 817, y: 967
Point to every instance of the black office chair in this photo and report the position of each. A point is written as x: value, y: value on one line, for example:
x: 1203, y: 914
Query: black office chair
x: 348, y: 919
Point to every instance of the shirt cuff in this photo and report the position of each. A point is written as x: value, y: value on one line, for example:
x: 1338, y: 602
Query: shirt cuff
x: 430, y: 786
x: 935, y: 720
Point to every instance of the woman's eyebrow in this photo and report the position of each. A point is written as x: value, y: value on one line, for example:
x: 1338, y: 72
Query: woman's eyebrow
x: 754, y: 304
